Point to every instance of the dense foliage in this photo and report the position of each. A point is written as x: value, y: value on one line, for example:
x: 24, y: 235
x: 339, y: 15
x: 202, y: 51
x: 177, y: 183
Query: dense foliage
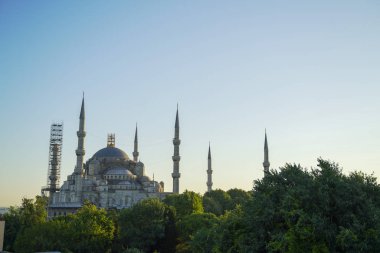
x: 289, y: 210
x: 144, y: 225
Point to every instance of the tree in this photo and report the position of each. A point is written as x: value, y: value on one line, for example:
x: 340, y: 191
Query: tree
x: 210, y: 205
x: 217, y: 202
x: 231, y: 230
x: 48, y: 236
x: 293, y: 210
x: 238, y: 197
x: 90, y: 230
x: 186, y: 203
x: 143, y: 225
x: 190, y: 225
x: 206, y: 240
x: 30, y: 213
x: 169, y: 242
x: 12, y: 227
x: 132, y: 250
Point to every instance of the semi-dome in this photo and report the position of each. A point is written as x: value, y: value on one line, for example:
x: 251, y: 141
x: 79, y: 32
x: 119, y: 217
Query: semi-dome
x: 119, y: 171
x: 111, y: 152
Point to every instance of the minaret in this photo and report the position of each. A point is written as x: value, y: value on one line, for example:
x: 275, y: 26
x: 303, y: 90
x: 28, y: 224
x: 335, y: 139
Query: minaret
x: 209, y: 171
x: 266, y: 163
x: 136, y: 147
x: 176, y: 157
x: 80, y: 152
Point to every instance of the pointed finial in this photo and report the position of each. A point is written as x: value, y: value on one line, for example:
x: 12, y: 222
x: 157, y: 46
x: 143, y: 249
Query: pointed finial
x: 266, y: 163
x: 136, y: 133
x: 82, y: 109
x: 209, y: 151
x: 135, y: 147
x: 176, y: 119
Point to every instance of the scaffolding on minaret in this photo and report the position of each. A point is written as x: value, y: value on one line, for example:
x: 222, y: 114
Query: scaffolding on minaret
x: 55, y: 154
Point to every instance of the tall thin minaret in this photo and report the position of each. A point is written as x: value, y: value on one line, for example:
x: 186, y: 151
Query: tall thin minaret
x: 266, y: 163
x: 209, y: 170
x: 80, y: 152
x: 136, y: 147
x: 176, y: 157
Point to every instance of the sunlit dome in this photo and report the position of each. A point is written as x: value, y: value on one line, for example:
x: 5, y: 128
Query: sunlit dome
x: 110, y: 152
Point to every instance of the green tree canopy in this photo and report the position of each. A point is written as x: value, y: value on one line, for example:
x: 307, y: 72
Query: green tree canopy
x: 289, y: 210
x: 217, y: 202
x: 30, y: 213
x: 238, y: 197
x: 48, y: 236
x: 143, y: 225
x: 323, y: 210
x: 185, y: 203
x: 192, y: 224
x: 90, y: 230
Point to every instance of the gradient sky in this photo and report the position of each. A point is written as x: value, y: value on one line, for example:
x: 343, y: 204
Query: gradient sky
x: 306, y: 71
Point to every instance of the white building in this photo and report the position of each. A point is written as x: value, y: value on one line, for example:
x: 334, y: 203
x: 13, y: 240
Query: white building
x: 109, y: 179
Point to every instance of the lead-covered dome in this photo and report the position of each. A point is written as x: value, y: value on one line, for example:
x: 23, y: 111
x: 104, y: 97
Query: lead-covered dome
x: 111, y: 152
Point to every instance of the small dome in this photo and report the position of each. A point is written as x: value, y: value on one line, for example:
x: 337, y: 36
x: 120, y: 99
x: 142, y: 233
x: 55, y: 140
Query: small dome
x: 145, y: 179
x: 118, y: 171
x: 111, y: 152
x: 125, y: 182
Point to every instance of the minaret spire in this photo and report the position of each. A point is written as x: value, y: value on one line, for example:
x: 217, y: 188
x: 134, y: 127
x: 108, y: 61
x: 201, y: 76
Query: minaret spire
x: 80, y: 152
x: 81, y: 116
x: 266, y: 163
x: 176, y: 123
x: 209, y: 171
x: 136, y: 147
x: 176, y: 157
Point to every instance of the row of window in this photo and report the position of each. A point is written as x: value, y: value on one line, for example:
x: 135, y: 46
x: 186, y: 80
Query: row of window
x: 125, y: 177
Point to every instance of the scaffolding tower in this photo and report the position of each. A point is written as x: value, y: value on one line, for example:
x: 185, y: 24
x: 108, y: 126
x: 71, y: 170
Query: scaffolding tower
x: 55, y: 154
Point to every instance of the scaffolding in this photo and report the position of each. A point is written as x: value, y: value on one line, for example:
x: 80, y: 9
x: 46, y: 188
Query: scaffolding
x: 55, y: 154
x: 111, y: 140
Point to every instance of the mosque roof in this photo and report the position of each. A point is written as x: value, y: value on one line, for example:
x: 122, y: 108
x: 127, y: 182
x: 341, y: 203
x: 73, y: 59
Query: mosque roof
x: 118, y: 171
x: 111, y: 152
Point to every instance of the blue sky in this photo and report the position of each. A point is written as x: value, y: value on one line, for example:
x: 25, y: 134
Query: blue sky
x: 306, y: 71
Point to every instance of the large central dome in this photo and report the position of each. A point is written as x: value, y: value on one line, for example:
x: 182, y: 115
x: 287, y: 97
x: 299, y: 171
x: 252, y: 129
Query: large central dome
x: 111, y: 152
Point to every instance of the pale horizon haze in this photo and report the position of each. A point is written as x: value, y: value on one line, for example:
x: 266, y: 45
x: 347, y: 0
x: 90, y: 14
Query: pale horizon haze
x: 306, y: 71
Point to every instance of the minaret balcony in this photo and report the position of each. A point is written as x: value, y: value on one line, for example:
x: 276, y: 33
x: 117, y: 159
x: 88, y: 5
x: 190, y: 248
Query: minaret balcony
x: 176, y: 158
x: 176, y: 175
x: 80, y: 152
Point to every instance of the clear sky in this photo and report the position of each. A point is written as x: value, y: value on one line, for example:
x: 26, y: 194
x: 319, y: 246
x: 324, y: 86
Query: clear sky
x: 307, y: 71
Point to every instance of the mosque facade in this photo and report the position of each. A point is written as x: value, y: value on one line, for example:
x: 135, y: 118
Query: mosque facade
x: 111, y: 179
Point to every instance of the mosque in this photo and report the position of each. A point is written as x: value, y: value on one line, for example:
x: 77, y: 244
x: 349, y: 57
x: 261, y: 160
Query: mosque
x: 110, y: 179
